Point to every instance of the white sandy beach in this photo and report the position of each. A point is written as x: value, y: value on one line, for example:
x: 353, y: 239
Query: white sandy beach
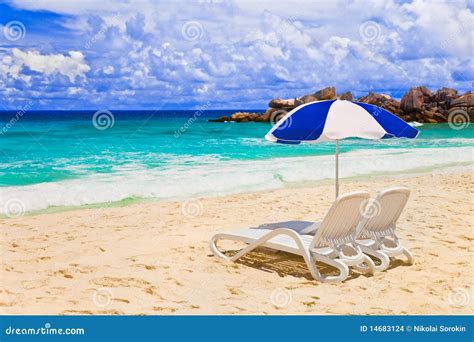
x: 150, y: 258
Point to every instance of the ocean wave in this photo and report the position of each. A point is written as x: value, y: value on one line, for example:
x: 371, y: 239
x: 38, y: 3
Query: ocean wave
x: 211, y: 176
x: 446, y: 141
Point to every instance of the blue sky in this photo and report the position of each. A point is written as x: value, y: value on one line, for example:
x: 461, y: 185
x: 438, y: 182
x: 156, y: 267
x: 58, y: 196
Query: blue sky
x: 228, y: 54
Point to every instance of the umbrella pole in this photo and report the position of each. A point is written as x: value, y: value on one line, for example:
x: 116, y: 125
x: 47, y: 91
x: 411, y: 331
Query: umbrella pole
x: 337, y: 168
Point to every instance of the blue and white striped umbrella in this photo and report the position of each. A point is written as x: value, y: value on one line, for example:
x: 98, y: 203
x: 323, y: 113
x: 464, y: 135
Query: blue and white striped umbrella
x: 336, y: 120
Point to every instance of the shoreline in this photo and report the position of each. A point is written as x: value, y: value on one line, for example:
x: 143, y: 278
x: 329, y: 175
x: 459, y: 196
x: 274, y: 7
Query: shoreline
x: 445, y: 169
x: 154, y: 258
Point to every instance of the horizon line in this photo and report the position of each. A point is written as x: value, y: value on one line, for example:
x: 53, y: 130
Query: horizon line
x: 131, y: 109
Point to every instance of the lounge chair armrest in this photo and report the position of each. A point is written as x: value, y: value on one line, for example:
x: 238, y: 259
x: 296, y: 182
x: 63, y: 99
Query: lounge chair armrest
x: 285, y: 231
x: 310, y: 230
x: 282, y: 231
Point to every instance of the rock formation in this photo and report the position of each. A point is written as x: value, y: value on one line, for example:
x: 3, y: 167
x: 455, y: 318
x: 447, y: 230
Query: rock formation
x: 417, y: 104
x: 384, y: 101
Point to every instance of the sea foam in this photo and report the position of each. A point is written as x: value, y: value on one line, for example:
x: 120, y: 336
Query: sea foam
x: 211, y: 176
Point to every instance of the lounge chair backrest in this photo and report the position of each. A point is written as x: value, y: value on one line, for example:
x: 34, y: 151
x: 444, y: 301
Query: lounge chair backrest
x: 380, y: 218
x: 339, y: 224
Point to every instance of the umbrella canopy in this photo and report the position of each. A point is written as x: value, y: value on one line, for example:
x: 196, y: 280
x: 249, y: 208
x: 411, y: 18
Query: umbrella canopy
x: 336, y: 120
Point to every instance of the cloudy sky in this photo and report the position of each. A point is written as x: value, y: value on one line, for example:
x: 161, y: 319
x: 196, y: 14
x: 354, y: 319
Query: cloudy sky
x: 231, y: 54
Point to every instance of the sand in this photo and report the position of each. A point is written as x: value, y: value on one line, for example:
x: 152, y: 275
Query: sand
x: 153, y: 258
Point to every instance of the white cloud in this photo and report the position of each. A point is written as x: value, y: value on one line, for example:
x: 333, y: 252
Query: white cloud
x: 71, y: 66
x: 109, y: 69
x: 9, y: 68
x: 73, y: 7
x: 74, y: 91
x: 248, y: 51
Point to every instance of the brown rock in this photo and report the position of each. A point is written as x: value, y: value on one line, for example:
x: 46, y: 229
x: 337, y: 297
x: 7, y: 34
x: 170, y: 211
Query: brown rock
x: 445, y: 95
x: 282, y: 103
x: 418, y: 117
x: 427, y: 94
x: 347, y: 96
x: 266, y: 116
x: 409, y: 116
x: 413, y: 100
x: 373, y: 98
x: 429, y: 113
x: 305, y: 99
x: 418, y: 103
x: 220, y: 119
x: 439, y: 117
x: 429, y: 116
x: 277, y: 116
x: 328, y: 93
x: 395, y: 104
x: 242, y: 117
x: 466, y: 100
x: 383, y: 101
x: 237, y: 116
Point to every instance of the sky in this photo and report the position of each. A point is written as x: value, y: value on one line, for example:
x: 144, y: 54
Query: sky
x: 226, y: 54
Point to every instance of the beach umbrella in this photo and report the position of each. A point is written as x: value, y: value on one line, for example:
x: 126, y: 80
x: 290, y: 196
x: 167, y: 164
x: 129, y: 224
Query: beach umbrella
x: 336, y: 120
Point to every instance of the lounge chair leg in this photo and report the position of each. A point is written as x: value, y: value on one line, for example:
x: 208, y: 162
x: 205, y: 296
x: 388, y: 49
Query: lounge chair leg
x: 236, y: 256
x: 342, y: 267
x: 216, y: 250
x: 312, y: 267
x: 310, y: 261
x: 254, y: 244
x: 370, y: 268
x: 384, y: 259
x: 409, y: 256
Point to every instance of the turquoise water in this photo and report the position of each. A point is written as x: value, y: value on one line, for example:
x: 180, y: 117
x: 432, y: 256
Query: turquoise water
x: 54, y: 159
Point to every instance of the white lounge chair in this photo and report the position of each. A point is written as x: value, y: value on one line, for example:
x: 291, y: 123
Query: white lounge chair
x: 333, y: 244
x: 376, y: 232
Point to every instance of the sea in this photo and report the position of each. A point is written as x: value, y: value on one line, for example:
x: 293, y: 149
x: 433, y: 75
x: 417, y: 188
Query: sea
x: 51, y: 160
